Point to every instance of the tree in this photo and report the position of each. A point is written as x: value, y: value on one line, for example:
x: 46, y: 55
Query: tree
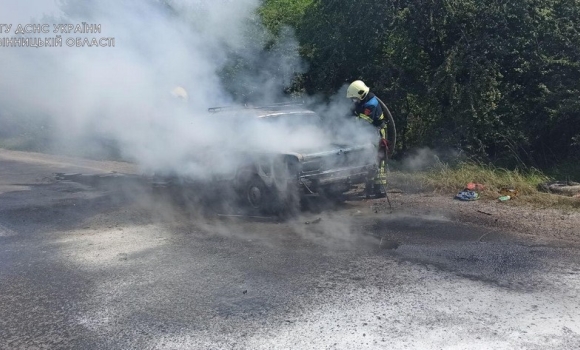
x: 499, y: 79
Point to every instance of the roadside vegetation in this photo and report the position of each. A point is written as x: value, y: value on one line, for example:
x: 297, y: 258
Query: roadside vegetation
x: 524, y: 186
x: 497, y: 80
x: 451, y: 178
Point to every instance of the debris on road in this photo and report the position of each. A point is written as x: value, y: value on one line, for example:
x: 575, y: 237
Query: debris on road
x: 473, y: 186
x: 313, y: 222
x: 509, y: 192
x: 467, y: 196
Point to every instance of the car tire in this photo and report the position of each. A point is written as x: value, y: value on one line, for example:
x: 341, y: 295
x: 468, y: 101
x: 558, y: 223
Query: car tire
x: 270, y: 201
x: 256, y: 194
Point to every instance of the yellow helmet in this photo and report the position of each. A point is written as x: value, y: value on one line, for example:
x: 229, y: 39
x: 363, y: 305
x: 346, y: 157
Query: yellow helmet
x: 179, y: 92
x: 358, y: 90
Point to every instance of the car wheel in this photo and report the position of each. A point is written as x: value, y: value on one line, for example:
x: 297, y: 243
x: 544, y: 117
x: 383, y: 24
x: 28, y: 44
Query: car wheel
x: 272, y: 201
x: 257, y: 195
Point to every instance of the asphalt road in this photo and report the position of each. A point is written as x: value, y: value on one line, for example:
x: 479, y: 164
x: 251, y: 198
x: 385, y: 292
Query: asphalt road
x: 111, y: 266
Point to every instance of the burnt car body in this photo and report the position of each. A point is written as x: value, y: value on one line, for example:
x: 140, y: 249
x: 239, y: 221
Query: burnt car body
x: 274, y: 181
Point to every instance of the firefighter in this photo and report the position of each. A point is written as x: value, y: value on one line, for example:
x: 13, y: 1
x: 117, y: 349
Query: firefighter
x: 368, y: 108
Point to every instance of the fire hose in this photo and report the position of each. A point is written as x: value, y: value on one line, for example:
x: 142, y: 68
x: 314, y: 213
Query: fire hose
x: 392, y: 138
x: 391, y: 129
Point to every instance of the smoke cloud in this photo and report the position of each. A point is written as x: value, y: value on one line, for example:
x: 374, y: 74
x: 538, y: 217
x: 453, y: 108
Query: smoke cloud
x: 120, y: 94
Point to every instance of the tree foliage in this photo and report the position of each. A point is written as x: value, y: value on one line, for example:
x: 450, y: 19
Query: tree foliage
x: 497, y: 78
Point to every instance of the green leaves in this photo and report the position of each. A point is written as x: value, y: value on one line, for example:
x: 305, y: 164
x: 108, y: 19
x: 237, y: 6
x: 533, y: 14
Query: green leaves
x: 500, y: 79
x: 276, y: 14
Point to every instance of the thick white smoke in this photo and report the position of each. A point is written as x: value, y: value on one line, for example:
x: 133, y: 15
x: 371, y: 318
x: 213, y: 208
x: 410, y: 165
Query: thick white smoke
x: 123, y: 93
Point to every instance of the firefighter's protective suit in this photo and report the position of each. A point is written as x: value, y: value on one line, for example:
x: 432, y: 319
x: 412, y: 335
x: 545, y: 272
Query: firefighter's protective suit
x: 369, y: 109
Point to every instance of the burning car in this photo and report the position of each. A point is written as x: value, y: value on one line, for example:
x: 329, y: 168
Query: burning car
x: 272, y: 179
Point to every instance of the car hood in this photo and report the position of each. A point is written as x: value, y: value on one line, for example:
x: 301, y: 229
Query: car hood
x: 332, y: 149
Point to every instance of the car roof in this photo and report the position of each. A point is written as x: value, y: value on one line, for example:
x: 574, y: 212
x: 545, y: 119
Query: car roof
x: 263, y: 112
x: 267, y: 114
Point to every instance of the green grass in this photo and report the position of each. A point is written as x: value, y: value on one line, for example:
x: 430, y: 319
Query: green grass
x: 447, y: 179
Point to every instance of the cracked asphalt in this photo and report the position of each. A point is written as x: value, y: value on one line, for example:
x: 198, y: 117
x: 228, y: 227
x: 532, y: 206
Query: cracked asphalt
x: 112, y: 266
